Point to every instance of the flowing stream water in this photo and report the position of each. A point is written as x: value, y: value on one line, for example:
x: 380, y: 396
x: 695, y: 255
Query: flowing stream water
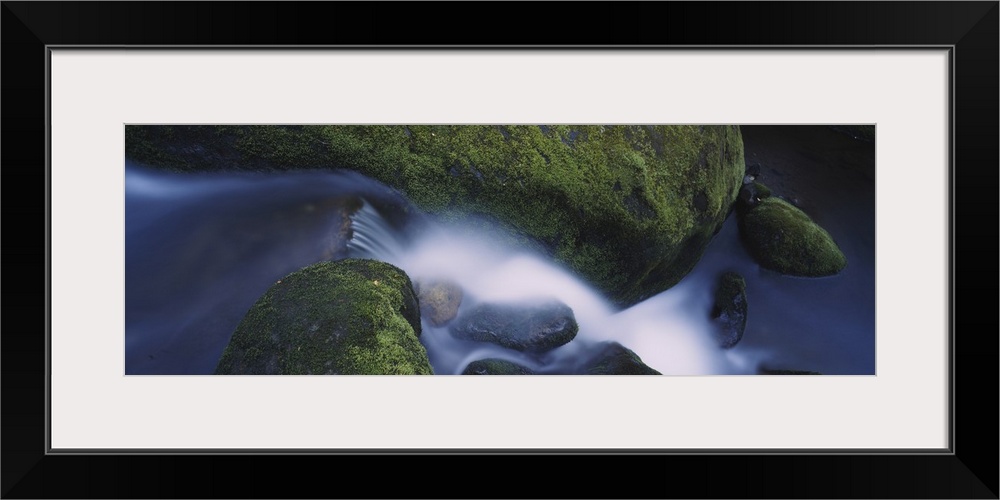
x: 201, y: 248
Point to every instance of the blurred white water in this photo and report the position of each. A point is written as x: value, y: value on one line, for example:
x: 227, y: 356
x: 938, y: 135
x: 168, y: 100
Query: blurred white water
x: 671, y: 331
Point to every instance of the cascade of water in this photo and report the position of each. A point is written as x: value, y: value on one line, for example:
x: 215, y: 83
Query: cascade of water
x: 373, y: 237
x: 671, y: 332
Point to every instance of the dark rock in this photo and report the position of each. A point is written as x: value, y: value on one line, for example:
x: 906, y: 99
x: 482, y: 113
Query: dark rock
x: 730, y: 309
x: 495, y: 366
x: 612, y: 358
x: 352, y: 316
x: 747, y: 197
x: 528, y: 327
x: 751, y: 194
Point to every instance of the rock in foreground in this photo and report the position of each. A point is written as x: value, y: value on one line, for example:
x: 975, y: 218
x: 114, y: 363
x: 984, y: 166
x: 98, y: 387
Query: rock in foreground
x: 496, y: 366
x: 783, y: 238
x: 352, y: 316
x: 529, y: 327
x: 613, y: 358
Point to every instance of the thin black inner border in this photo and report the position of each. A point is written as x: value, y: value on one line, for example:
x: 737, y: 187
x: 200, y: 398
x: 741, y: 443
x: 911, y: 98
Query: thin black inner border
x: 949, y: 450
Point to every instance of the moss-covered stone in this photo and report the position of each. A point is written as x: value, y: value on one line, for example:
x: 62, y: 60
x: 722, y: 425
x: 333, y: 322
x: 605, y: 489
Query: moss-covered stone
x: 612, y: 358
x: 783, y: 238
x: 730, y: 308
x: 762, y: 190
x: 495, y: 366
x: 630, y: 208
x: 439, y: 300
x: 533, y: 327
x: 352, y: 316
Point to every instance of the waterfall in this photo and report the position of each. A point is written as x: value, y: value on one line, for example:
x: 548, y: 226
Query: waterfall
x: 373, y: 237
x: 671, y: 332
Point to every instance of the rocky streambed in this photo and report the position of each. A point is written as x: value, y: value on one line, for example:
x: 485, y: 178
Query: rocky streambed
x: 333, y: 272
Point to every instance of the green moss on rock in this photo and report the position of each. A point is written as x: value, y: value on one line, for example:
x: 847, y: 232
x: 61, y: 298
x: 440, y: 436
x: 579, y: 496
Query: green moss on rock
x: 353, y: 316
x: 762, y: 190
x: 630, y: 208
x: 783, y: 238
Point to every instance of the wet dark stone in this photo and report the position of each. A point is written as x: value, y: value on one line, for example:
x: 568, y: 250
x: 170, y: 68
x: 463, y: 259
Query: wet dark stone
x: 528, y: 326
x: 612, y: 358
x: 730, y: 309
x: 495, y: 366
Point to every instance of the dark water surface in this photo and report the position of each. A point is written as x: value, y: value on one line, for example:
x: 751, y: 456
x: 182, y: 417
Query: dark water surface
x: 200, y: 249
x: 819, y: 324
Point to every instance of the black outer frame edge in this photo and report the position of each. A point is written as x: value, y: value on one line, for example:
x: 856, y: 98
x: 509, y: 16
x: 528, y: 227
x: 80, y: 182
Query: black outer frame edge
x: 968, y: 77
x: 492, y: 451
x: 48, y: 250
x: 977, y: 158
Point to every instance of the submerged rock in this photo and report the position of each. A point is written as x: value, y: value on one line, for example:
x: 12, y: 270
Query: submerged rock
x: 630, y: 208
x: 439, y: 300
x: 613, y: 358
x: 730, y: 309
x: 352, y: 316
x: 496, y: 366
x: 783, y: 238
x: 528, y: 326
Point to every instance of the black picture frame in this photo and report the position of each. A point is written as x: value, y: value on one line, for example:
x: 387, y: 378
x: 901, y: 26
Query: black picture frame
x: 969, y: 28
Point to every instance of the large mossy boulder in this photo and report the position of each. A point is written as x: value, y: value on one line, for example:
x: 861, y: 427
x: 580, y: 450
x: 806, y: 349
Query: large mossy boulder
x: 353, y: 316
x: 783, y: 238
x: 533, y: 327
x: 729, y: 309
x: 629, y: 208
x: 612, y: 358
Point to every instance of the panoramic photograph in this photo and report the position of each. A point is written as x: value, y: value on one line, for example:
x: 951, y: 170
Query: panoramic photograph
x: 524, y: 249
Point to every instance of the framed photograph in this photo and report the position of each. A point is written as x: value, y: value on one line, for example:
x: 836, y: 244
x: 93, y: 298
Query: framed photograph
x: 193, y: 183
